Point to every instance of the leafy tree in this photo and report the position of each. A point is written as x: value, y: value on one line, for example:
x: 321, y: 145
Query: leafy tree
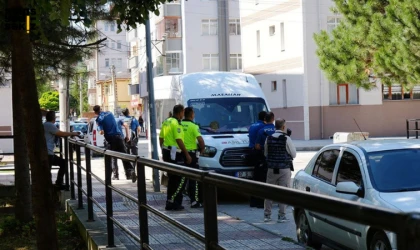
x: 378, y: 39
x: 24, y: 82
x: 49, y: 100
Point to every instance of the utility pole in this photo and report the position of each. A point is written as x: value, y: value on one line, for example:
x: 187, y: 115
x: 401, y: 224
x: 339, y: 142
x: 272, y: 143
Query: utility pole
x: 114, y: 86
x: 80, y: 95
x: 223, y: 34
x: 152, y: 113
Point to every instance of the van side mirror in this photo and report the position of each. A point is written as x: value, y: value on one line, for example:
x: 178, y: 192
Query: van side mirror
x: 349, y: 187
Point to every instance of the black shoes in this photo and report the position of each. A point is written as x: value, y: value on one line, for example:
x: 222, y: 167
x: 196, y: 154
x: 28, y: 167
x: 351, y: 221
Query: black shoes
x: 60, y: 186
x: 173, y: 206
x: 115, y: 178
x: 196, y: 204
x: 132, y: 177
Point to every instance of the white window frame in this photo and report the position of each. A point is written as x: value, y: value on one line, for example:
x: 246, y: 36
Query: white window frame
x: 333, y: 22
x: 112, y: 26
x: 237, y: 24
x: 118, y: 44
x: 107, y: 62
x: 258, y: 44
x: 119, y: 63
x: 210, y: 57
x: 282, y: 41
x: 113, y: 61
x: 272, y: 30
x: 173, y: 56
x: 238, y: 63
x: 206, y: 27
x: 273, y: 86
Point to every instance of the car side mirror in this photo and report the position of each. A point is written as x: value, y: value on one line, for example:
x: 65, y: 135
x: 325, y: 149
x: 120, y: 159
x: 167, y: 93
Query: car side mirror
x: 349, y: 187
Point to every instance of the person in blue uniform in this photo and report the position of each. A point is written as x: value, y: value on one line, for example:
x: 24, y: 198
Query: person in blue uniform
x: 253, y: 133
x: 108, y: 127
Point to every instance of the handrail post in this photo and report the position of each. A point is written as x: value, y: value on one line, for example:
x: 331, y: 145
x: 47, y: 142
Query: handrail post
x: 66, y: 164
x: 417, y: 127
x: 210, y: 215
x: 89, y: 185
x: 408, y: 128
x: 406, y: 234
x: 108, y: 198
x: 141, y: 194
x: 79, y: 178
x: 72, y: 193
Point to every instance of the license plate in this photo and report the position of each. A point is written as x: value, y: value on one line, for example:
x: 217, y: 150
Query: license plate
x: 244, y: 174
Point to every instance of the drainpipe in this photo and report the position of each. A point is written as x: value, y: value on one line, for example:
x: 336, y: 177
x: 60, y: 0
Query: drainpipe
x: 223, y: 35
x: 320, y: 79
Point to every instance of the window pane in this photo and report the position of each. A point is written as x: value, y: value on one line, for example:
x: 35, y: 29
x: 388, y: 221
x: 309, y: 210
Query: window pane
x: 343, y: 95
x: 214, y: 63
x: 238, y: 28
x: 204, y: 27
x: 118, y: 44
x: 416, y: 92
x: 396, y: 92
x: 232, y: 28
x: 213, y: 27
x: 240, y: 63
x: 324, y: 166
x: 349, y: 169
x: 353, y: 94
x: 206, y: 63
x: 233, y: 64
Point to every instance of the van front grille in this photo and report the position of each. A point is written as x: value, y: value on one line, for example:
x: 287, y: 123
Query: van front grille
x: 235, y: 157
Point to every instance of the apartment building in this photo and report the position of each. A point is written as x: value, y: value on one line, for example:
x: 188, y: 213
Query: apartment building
x: 187, y: 36
x: 279, y: 49
x: 6, y: 115
x: 108, y: 61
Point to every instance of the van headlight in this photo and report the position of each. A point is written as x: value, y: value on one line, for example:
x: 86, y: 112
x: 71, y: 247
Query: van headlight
x: 209, y: 151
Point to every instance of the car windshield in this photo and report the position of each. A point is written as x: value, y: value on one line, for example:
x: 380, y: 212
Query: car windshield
x: 396, y: 170
x: 226, y: 115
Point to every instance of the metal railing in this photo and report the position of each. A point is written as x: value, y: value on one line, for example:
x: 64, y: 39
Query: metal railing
x: 405, y: 225
x: 415, y: 129
x: 63, y: 152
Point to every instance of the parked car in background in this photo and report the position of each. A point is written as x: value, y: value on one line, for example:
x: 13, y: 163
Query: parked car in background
x: 94, y: 137
x: 83, y: 119
x: 382, y: 173
x: 80, y: 127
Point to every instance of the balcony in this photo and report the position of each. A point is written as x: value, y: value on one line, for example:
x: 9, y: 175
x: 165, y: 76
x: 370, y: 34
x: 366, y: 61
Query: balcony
x: 133, y: 62
x: 169, y: 9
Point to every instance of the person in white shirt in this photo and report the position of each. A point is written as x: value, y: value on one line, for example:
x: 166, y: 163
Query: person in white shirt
x: 279, y: 152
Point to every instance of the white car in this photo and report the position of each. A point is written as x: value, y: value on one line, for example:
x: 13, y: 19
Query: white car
x: 382, y: 173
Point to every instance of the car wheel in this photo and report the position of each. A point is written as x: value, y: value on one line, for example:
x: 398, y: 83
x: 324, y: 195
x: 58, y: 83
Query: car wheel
x: 380, y: 242
x: 303, y: 231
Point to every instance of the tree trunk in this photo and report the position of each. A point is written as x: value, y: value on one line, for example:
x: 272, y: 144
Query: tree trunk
x: 23, y: 78
x: 23, y: 207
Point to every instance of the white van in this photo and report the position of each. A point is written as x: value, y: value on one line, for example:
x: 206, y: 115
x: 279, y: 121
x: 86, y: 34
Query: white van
x: 225, y: 105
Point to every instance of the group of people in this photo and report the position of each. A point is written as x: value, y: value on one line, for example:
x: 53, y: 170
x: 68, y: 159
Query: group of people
x: 112, y: 131
x: 272, y: 154
x: 178, y: 140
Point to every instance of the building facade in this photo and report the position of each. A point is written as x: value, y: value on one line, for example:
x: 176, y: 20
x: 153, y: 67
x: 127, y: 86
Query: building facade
x: 187, y: 36
x: 279, y: 50
x: 6, y: 115
x: 108, y: 61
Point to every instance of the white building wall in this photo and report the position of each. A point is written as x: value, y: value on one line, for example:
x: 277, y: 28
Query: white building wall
x: 274, y: 62
x: 6, y: 117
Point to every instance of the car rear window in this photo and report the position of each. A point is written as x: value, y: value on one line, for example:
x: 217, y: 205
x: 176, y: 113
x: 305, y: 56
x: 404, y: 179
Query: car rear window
x: 324, y: 165
x: 396, y: 170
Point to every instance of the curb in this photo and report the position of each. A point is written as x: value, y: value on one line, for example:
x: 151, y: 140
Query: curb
x: 93, y: 233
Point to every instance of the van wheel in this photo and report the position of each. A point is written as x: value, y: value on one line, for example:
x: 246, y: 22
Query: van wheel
x: 303, y: 231
x: 380, y: 242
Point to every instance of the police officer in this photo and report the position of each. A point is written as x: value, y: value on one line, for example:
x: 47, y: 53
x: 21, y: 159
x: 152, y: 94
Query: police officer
x: 260, y: 169
x: 279, y: 151
x: 134, y: 131
x: 174, y: 151
x: 113, y: 135
x: 253, y: 132
x: 192, y: 135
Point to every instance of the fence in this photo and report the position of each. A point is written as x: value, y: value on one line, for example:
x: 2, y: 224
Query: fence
x: 63, y: 152
x: 406, y: 226
x: 415, y: 129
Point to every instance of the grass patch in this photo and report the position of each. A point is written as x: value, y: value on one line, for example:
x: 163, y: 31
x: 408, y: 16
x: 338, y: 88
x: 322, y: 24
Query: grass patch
x: 288, y: 239
x: 17, y: 236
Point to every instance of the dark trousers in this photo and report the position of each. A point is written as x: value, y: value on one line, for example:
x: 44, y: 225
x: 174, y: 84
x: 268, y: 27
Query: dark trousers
x: 176, y: 183
x: 58, y: 161
x: 116, y: 143
x: 132, y: 149
x: 260, y: 175
x: 194, y: 187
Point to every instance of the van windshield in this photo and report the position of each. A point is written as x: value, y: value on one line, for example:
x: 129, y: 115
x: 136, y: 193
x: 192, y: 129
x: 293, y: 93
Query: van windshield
x: 226, y: 115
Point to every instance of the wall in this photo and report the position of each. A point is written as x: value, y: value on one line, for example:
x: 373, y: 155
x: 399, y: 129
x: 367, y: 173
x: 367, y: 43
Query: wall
x: 6, y: 118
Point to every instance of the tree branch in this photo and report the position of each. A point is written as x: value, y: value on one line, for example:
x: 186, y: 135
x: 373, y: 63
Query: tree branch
x: 82, y: 46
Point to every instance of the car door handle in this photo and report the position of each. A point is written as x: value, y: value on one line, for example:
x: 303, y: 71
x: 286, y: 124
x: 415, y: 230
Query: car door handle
x: 308, y: 189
